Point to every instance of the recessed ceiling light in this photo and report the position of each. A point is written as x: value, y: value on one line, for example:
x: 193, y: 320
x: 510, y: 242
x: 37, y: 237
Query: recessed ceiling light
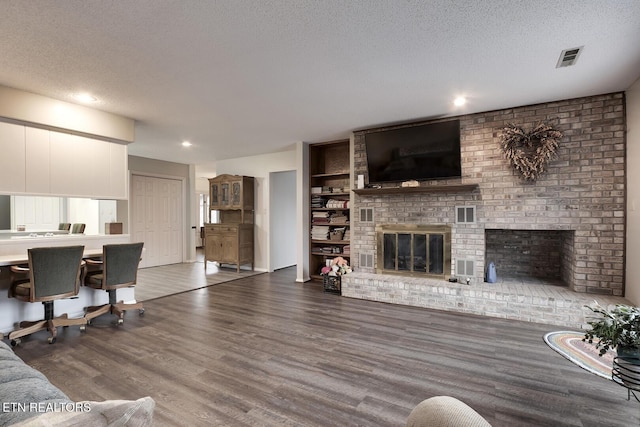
x: 460, y: 101
x: 85, y: 97
x: 186, y: 144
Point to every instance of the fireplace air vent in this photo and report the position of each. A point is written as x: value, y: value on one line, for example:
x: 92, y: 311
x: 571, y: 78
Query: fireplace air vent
x: 465, y: 267
x: 569, y: 57
x: 465, y: 214
x: 366, y: 260
x: 366, y: 214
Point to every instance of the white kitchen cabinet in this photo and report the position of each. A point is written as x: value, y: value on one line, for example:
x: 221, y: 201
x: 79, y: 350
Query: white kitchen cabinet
x: 118, y: 171
x: 91, y: 167
x: 36, y: 213
x: 37, y: 161
x: 61, y: 164
x: 12, y: 159
x: 86, y: 167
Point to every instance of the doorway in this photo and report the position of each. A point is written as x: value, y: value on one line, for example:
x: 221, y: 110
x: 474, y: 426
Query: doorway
x: 283, y: 233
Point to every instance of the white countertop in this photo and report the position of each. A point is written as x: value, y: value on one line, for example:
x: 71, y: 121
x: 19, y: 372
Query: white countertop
x: 12, y: 234
x: 22, y: 258
x: 14, y: 251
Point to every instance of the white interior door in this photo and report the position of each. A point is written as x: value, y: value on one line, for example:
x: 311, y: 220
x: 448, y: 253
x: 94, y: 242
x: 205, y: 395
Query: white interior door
x: 156, y: 219
x: 35, y: 213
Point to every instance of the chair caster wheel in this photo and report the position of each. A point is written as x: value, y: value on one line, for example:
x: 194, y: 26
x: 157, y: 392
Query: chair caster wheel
x: 141, y: 312
x: 83, y: 328
x: 52, y: 340
x: 120, y: 322
x: 16, y: 342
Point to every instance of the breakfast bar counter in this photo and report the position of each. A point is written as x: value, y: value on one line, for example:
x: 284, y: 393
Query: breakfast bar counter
x: 22, y: 258
x: 15, y: 247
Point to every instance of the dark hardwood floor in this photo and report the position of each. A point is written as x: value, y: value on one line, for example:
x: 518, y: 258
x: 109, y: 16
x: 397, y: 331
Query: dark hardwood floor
x: 264, y: 350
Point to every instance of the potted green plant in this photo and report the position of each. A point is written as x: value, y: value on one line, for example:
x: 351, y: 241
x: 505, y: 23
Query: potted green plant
x: 618, y: 327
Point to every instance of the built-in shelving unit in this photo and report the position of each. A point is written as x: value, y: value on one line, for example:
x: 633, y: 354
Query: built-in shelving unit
x: 329, y: 192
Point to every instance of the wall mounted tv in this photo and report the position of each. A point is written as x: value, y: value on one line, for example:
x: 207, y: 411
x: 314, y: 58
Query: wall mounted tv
x: 426, y: 151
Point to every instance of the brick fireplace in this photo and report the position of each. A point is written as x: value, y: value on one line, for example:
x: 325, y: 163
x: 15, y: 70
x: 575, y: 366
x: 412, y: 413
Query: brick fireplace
x: 568, y: 225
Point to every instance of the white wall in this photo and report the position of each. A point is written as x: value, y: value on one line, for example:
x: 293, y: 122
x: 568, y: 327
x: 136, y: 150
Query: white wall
x: 85, y: 211
x: 202, y: 189
x: 54, y: 114
x: 202, y: 184
x: 107, y: 212
x: 158, y: 167
x: 260, y: 167
x: 632, y: 280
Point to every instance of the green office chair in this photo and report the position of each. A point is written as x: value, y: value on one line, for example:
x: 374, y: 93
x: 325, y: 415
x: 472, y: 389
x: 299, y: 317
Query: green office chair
x: 77, y: 228
x: 119, y: 269
x: 52, y: 273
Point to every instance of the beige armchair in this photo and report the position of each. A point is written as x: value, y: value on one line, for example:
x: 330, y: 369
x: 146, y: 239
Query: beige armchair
x: 445, y: 411
x: 78, y: 228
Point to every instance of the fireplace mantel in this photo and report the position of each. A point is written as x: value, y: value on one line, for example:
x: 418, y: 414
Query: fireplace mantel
x: 444, y: 188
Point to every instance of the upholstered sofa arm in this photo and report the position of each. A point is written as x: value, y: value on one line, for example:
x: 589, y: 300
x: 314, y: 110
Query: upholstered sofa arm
x: 130, y: 413
x: 27, y: 398
x: 445, y: 411
x: 20, y: 386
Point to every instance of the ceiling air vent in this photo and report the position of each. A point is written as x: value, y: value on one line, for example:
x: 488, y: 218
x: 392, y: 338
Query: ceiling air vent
x: 569, y: 57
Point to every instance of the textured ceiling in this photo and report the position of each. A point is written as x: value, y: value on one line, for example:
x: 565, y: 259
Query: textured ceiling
x: 246, y: 77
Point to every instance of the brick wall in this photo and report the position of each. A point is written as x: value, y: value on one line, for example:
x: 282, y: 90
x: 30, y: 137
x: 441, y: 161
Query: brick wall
x: 583, y: 191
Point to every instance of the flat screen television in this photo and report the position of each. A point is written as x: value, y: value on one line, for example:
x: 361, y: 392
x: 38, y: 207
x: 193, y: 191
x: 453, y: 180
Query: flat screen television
x: 421, y: 152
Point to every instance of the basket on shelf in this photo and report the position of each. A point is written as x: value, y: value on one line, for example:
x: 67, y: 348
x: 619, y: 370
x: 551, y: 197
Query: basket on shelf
x: 336, y: 234
x: 332, y: 284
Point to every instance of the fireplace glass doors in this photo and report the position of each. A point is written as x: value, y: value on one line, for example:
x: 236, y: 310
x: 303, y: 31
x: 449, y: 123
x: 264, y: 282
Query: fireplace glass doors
x: 414, y: 250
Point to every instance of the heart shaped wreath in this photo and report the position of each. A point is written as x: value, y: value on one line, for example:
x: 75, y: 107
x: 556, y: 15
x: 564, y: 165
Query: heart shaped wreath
x: 529, y: 152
